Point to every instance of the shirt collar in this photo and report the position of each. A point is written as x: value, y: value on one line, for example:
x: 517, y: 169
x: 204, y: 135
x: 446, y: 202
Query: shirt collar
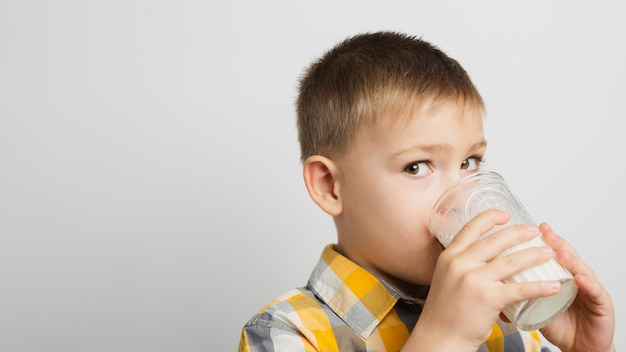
x: 359, y: 298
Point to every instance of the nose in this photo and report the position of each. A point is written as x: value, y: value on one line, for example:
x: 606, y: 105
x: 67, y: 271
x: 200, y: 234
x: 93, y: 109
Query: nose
x: 450, y: 207
x: 445, y: 183
x: 449, y: 179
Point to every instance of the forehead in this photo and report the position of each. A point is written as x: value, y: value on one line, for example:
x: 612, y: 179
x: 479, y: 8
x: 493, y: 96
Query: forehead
x: 429, y: 112
x: 441, y: 123
x: 402, y: 108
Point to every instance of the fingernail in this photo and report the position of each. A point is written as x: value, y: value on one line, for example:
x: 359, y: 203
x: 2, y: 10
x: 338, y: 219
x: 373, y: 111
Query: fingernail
x: 532, y: 228
x: 503, y: 213
x: 555, y: 285
x: 547, y: 250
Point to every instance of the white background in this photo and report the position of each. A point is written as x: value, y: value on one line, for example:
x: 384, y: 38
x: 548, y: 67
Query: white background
x: 151, y: 196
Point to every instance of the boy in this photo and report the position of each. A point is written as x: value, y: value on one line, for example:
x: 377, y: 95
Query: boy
x: 386, y: 123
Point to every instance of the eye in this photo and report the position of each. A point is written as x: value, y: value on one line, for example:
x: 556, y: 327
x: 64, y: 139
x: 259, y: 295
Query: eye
x: 471, y: 163
x: 418, y: 168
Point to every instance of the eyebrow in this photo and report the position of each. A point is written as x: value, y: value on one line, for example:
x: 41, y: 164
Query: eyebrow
x: 436, y: 148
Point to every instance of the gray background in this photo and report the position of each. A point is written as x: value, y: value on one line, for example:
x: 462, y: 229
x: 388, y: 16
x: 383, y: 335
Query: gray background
x: 151, y: 196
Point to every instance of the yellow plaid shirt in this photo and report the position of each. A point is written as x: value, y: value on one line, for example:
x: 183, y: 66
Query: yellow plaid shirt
x: 345, y: 308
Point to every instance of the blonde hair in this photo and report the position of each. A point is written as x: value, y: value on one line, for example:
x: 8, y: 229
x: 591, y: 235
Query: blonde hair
x: 367, y: 75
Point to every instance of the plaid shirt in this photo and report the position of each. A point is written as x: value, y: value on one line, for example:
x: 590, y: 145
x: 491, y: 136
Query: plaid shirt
x: 345, y: 308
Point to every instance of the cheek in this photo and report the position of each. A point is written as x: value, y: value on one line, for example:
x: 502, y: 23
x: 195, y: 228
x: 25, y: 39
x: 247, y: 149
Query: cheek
x: 422, y: 196
x: 411, y: 213
x: 423, y: 210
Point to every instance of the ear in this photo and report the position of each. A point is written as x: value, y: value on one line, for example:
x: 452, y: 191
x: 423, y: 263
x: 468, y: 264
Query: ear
x: 321, y: 179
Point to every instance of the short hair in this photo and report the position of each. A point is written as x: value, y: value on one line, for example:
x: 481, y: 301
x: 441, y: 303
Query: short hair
x: 367, y: 75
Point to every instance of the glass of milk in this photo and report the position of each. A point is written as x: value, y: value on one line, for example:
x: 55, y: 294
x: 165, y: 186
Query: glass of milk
x: 487, y: 190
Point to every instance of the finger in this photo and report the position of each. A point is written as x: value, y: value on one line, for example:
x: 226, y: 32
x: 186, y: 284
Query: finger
x: 506, y: 266
x: 595, y: 293
x: 555, y: 241
x: 590, y: 290
x: 520, y: 291
x: 565, y: 253
x: 585, y: 278
x: 476, y: 227
x: 573, y: 263
x: 502, y: 241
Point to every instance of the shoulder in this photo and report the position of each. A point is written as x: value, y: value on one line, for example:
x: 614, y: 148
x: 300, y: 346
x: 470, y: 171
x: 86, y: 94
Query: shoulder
x: 285, y: 311
x: 284, y: 322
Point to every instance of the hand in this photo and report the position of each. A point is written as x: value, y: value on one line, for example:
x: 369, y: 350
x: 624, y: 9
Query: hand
x: 589, y: 324
x: 467, y: 293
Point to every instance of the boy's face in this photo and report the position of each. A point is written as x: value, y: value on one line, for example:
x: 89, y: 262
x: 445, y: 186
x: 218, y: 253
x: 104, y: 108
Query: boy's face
x: 389, y: 181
